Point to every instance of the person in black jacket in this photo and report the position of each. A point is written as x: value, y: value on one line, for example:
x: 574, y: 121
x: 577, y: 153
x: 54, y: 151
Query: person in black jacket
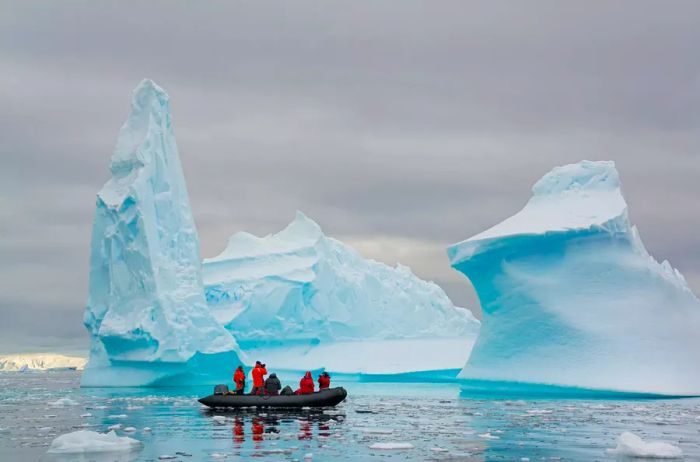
x: 272, y: 385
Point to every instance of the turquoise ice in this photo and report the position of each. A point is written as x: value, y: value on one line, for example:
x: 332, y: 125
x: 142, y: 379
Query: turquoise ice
x: 302, y: 300
x: 572, y: 298
x: 147, y: 316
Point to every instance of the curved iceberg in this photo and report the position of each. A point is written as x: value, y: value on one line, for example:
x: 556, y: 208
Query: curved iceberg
x: 572, y: 298
x: 301, y: 300
x: 146, y: 313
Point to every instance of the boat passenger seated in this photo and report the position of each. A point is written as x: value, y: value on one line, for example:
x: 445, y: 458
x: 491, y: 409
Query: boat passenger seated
x: 306, y: 384
x: 324, y: 381
x: 272, y: 385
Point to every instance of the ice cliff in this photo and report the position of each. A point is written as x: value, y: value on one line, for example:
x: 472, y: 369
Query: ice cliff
x: 146, y: 313
x: 572, y: 298
x: 300, y: 300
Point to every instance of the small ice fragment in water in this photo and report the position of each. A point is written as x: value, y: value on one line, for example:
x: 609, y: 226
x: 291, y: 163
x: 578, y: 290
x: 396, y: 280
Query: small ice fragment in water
x: 87, y: 414
x: 488, y: 436
x: 114, y: 427
x: 130, y: 429
x: 438, y: 449
x: 85, y: 441
x: 525, y: 459
x: 378, y: 431
x: 631, y: 445
x: 308, y: 456
x: 146, y: 429
x: 217, y: 455
x: 389, y: 446
x: 219, y: 419
x: 117, y: 416
x: 539, y: 411
x: 64, y: 402
x: 167, y: 457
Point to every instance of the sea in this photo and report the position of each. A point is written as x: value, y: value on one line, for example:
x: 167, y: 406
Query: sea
x: 378, y: 421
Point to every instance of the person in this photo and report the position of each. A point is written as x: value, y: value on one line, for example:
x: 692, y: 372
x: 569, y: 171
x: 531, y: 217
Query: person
x: 306, y: 384
x: 239, y: 380
x: 324, y: 381
x: 259, y: 372
x: 272, y: 385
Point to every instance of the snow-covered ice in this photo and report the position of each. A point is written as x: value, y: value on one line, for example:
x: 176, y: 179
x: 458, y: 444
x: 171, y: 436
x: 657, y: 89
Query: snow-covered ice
x: 631, y: 445
x: 40, y: 361
x: 391, y: 446
x: 146, y: 313
x: 85, y: 441
x: 571, y: 297
x: 306, y: 301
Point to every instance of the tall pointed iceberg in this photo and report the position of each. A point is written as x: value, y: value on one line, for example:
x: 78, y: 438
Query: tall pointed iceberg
x: 147, y: 316
x: 303, y: 300
x: 572, y: 298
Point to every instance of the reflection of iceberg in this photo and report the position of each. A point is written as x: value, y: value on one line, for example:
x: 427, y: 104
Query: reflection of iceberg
x: 301, y: 300
x: 147, y: 317
x: 572, y: 298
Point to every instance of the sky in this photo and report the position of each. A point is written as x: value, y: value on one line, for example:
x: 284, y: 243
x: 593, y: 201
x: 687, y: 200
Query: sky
x: 399, y: 126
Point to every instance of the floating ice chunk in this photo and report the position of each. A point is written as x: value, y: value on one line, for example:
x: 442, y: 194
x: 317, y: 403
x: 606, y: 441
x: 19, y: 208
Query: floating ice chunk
x: 167, y: 457
x: 219, y: 419
x: 85, y: 441
x: 146, y: 429
x: 87, y: 414
x: 631, y: 445
x: 114, y: 427
x: 308, y: 456
x: 130, y: 429
x: 64, y: 402
x: 146, y: 312
x: 539, y: 411
x: 572, y: 298
x: 117, y: 416
x: 489, y: 436
x: 390, y: 446
x: 378, y: 431
x: 218, y: 455
x: 304, y: 300
x: 437, y: 449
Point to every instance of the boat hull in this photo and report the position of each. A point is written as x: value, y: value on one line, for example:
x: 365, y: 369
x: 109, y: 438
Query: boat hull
x: 323, y: 398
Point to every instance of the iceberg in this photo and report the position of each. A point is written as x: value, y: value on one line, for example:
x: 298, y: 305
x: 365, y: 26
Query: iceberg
x: 40, y: 362
x: 147, y: 316
x: 571, y: 297
x: 300, y: 300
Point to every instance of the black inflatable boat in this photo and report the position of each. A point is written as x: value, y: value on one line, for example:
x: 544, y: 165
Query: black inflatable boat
x: 329, y: 397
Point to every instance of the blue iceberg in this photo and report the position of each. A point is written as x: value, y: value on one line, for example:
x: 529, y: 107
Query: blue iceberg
x: 303, y: 301
x: 147, y: 316
x: 571, y: 297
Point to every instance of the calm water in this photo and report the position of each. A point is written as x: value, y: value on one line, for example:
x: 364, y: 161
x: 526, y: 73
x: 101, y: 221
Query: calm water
x: 439, y: 424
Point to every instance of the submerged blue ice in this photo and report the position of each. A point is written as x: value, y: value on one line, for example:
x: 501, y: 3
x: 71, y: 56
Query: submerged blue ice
x: 572, y: 298
x: 146, y: 313
x: 302, y: 300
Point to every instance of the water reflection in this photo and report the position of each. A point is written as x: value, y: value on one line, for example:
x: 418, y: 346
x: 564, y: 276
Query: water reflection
x: 258, y: 425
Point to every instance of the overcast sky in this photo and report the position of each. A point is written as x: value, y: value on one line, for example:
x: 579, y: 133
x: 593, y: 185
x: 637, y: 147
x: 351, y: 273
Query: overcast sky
x: 399, y: 126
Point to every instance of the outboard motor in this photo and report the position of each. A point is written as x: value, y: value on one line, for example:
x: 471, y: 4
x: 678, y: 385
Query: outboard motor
x: 221, y: 389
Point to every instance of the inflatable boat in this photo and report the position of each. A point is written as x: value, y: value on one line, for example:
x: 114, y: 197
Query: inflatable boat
x: 322, y: 398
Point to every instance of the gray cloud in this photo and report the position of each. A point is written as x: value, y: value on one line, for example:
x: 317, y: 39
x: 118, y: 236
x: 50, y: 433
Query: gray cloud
x: 390, y: 122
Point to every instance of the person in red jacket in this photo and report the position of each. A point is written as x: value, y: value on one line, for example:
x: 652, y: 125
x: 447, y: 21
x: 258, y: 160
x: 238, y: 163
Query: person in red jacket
x: 259, y: 372
x: 324, y: 381
x: 306, y: 384
x: 239, y: 380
